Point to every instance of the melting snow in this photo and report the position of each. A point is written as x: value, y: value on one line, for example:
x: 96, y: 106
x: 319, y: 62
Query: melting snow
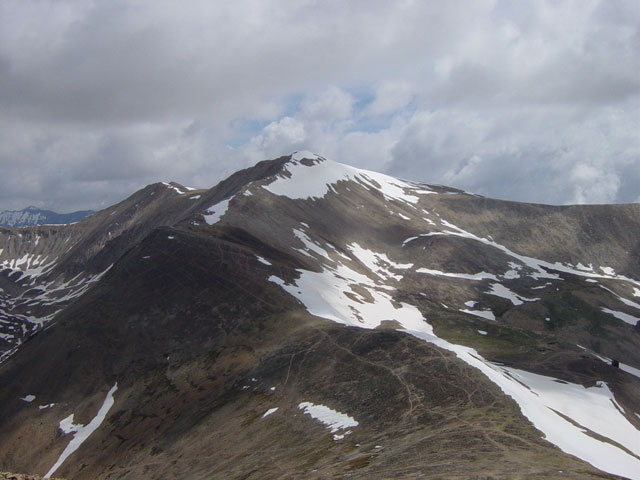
x: 500, y: 290
x: 336, y: 294
x: 546, y: 402
x: 270, y: 411
x: 334, y: 421
x: 488, y: 314
x: 623, y: 300
x: 176, y: 189
x: 622, y: 366
x: 580, y: 266
x: 218, y: 210
x: 348, y: 297
x: 625, y: 317
x: 302, y: 183
x: 466, y: 276
x: 310, y: 245
x: 28, y: 398
x: 42, y: 407
x: 540, y: 267
x: 81, y: 433
x: 195, y: 197
x: 262, y: 260
x: 378, y: 263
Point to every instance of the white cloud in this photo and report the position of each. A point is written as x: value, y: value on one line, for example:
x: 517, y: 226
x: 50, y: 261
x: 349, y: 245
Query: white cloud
x: 532, y: 101
x: 390, y: 97
x: 331, y: 105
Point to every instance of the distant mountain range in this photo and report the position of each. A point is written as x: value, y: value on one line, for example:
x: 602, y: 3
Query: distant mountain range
x: 304, y: 319
x: 35, y: 216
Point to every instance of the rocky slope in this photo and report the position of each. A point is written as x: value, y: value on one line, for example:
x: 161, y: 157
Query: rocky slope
x: 35, y: 216
x: 305, y: 319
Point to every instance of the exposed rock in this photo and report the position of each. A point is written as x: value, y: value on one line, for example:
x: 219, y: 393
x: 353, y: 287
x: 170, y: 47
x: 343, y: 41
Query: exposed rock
x: 294, y: 282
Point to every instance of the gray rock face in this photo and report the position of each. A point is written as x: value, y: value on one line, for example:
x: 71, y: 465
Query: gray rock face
x: 305, y: 319
x: 34, y: 216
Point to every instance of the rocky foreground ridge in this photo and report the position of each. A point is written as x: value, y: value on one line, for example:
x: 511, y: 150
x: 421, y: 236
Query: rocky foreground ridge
x: 306, y: 319
x: 20, y: 476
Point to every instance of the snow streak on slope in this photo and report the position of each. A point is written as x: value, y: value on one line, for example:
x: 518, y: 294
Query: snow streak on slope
x: 625, y: 317
x: 465, y: 276
x: 540, y: 268
x: 622, y: 366
x: 82, y: 432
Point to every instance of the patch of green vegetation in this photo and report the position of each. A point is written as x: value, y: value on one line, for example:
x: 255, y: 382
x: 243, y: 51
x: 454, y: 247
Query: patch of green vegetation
x: 500, y: 340
x: 566, y: 309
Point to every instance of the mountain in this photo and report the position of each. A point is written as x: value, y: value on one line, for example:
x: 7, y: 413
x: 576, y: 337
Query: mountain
x: 307, y: 319
x: 35, y: 216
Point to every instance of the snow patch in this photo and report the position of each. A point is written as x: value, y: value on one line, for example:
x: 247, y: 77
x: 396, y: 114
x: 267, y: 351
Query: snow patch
x: 299, y: 182
x: 270, y: 411
x: 499, y: 290
x: 81, y: 433
x: 487, y: 314
x: 310, y: 245
x: 28, y: 398
x: 335, y: 421
x: 176, y: 189
x: 262, y: 260
x: 625, y: 317
x: 378, y: 263
x: 216, y: 211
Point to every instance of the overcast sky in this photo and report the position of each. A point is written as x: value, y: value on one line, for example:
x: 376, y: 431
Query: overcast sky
x: 533, y: 101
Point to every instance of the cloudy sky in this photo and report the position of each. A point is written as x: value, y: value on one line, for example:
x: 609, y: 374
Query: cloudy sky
x: 532, y: 101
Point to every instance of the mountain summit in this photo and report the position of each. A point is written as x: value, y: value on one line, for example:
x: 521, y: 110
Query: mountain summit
x: 307, y: 319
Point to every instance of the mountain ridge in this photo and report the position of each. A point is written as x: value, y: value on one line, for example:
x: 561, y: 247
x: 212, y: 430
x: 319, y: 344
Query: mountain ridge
x: 35, y: 216
x: 310, y: 288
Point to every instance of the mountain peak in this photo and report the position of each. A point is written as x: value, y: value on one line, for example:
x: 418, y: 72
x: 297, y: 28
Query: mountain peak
x: 303, y: 305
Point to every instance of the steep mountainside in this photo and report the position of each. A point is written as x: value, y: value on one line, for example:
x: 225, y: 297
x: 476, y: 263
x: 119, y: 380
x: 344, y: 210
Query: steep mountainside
x: 306, y: 319
x: 35, y: 216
